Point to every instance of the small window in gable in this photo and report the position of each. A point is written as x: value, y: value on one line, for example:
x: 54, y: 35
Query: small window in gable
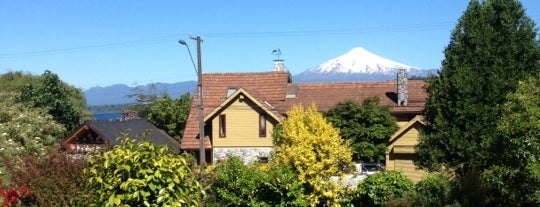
x: 222, y: 126
x: 262, y: 125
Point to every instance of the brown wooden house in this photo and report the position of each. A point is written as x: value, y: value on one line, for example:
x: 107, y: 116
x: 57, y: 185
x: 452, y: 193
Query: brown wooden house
x: 100, y: 135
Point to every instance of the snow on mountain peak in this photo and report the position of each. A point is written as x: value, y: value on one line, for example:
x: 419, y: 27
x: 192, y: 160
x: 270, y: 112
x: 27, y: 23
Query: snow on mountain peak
x: 359, y: 60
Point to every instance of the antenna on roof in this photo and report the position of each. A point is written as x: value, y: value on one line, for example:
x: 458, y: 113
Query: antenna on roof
x: 277, y: 53
x: 278, y: 63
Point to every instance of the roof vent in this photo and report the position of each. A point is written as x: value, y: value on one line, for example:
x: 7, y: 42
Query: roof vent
x: 292, y: 91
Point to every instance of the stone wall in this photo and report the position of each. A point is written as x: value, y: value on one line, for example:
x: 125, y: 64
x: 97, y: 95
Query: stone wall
x: 248, y: 154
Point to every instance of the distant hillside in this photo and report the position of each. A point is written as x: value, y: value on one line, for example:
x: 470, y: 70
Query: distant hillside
x: 118, y: 94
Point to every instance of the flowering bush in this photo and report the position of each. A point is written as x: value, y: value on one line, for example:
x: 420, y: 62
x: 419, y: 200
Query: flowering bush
x: 13, y: 196
x: 54, y: 180
x: 24, y: 130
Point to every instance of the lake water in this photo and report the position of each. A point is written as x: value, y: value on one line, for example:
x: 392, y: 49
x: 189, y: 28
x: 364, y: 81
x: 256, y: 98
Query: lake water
x: 105, y: 117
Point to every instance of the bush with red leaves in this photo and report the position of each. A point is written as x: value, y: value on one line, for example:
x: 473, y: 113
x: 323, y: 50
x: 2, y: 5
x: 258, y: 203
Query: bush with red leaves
x: 54, y: 180
x: 13, y: 196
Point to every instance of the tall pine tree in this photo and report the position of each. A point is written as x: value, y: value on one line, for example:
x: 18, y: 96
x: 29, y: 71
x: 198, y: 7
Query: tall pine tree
x: 493, y: 46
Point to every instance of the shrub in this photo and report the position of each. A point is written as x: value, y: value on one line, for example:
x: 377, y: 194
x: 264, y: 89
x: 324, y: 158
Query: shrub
x: 381, y: 188
x: 56, y: 180
x: 13, y: 196
x: 235, y: 184
x: 433, y: 190
x: 141, y: 174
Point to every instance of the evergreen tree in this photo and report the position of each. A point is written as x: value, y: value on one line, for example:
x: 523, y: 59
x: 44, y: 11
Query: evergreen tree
x: 493, y: 46
x: 367, y: 127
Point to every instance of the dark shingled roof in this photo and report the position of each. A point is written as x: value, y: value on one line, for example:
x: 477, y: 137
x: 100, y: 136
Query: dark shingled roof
x: 111, y: 130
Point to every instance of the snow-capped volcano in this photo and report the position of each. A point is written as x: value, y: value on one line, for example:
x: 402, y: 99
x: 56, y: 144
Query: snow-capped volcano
x: 356, y: 65
x: 359, y: 60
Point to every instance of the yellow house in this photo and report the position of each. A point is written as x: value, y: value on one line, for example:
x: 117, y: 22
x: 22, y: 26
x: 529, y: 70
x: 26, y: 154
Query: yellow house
x: 242, y: 126
x: 400, y: 151
x: 241, y: 109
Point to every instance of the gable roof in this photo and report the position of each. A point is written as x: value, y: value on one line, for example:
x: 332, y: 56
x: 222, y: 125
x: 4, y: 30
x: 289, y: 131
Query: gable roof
x: 264, y: 86
x: 237, y: 94
x: 278, y: 94
x: 418, y: 119
x: 111, y: 130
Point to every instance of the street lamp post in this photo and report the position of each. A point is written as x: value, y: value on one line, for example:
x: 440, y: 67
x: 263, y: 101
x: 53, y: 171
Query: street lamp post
x: 198, y: 69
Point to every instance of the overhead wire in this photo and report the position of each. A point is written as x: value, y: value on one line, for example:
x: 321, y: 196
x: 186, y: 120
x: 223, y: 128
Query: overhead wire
x: 173, y: 37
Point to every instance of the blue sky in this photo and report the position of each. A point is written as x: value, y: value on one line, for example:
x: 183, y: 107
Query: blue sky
x: 103, y: 42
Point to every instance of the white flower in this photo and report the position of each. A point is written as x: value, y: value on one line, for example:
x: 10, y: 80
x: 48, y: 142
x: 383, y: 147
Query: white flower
x: 4, y: 134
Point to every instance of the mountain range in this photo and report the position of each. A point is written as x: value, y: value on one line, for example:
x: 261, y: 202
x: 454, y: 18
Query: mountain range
x: 356, y: 65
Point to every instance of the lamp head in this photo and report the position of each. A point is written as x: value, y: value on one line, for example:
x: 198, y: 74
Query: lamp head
x: 182, y: 42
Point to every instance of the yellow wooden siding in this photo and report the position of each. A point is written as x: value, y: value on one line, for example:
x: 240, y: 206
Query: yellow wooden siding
x: 405, y: 165
x: 242, y: 126
x: 400, y: 153
x: 402, y: 123
x: 408, y: 138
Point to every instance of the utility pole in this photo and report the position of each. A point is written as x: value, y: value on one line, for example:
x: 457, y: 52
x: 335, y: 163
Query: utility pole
x: 198, y: 69
x: 202, y: 151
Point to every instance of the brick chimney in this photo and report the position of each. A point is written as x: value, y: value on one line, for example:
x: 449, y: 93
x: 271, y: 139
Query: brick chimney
x: 402, y: 90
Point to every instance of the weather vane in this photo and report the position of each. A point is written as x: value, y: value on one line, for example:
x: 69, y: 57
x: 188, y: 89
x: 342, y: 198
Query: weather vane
x: 277, y: 53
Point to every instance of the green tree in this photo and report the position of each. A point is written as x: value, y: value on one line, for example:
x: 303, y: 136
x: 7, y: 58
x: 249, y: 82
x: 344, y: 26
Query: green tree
x: 66, y: 104
x: 492, y: 47
x: 144, y: 99
x: 141, y: 174
x: 367, y: 127
x: 513, y: 178
x: 314, y: 149
x: 24, y: 130
x: 170, y: 115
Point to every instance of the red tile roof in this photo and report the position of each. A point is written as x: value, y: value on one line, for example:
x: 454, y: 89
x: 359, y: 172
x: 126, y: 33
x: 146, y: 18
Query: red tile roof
x: 326, y: 95
x: 276, y: 89
x: 265, y: 86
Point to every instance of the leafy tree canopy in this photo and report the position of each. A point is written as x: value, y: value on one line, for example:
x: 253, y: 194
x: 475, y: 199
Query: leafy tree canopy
x: 367, y: 127
x: 314, y: 149
x: 170, y: 115
x: 493, y: 46
x: 25, y: 130
x: 64, y: 102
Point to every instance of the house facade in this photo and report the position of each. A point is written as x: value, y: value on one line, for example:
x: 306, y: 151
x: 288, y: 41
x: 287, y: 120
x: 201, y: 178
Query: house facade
x: 400, y: 151
x: 241, y: 109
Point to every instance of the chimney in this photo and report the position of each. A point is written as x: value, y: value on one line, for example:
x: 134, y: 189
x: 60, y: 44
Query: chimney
x: 402, y: 90
x: 278, y: 65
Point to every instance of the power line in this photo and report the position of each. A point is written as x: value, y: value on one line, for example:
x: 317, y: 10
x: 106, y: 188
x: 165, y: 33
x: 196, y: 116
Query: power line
x: 173, y: 37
